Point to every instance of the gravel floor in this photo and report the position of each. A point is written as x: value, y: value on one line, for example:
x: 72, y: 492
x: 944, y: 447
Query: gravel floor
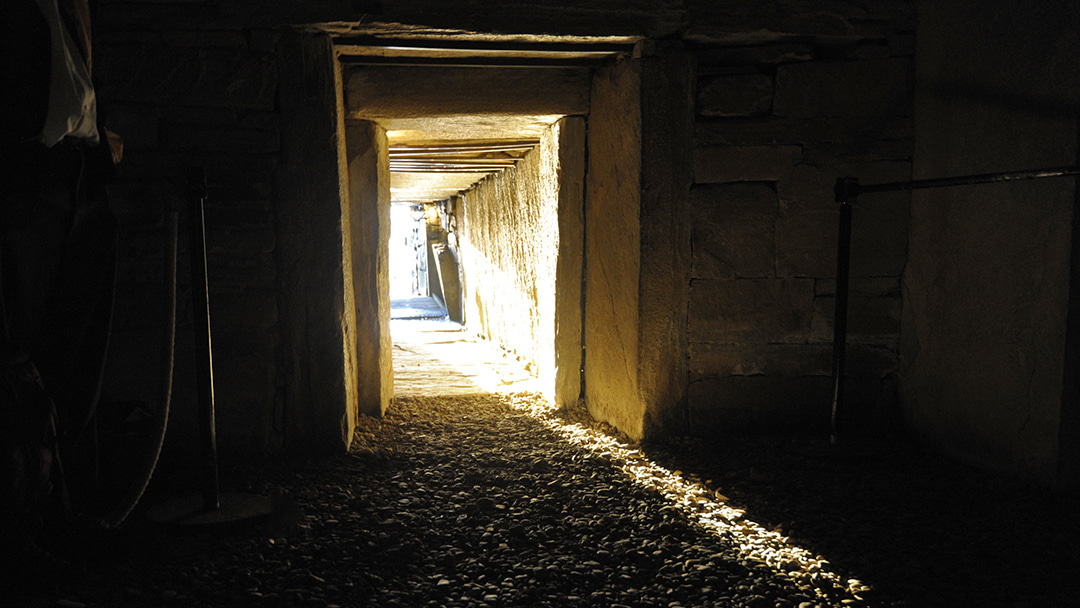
x: 493, y: 501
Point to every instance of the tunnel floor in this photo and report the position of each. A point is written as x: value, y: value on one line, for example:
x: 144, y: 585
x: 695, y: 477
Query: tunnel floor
x: 486, y: 499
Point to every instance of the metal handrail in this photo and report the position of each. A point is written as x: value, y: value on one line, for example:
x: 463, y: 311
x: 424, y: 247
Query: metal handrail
x: 847, y: 190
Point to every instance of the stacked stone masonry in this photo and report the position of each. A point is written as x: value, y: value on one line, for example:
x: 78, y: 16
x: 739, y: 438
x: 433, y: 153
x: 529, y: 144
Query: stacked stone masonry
x: 777, y: 124
x: 787, y: 99
x: 198, y: 98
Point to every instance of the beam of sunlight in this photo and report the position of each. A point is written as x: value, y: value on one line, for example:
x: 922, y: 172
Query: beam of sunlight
x: 700, y: 504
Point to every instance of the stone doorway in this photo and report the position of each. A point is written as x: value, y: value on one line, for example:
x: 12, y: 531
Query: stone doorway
x: 467, y: 128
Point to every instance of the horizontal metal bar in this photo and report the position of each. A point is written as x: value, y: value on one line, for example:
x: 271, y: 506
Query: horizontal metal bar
x: 853, y: 189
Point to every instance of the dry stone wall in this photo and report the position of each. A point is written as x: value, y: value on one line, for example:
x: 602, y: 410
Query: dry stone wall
x: 509, y: 250
x: 205, y: 98
x: 788, y: 98
x: 777, y: 124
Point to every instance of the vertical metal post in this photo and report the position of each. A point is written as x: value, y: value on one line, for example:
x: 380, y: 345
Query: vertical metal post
x: 846, y: 190
x: 204, y: 349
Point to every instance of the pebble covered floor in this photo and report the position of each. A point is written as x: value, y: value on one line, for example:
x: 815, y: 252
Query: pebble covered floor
x: 462, y: 497
x: 493, y: 500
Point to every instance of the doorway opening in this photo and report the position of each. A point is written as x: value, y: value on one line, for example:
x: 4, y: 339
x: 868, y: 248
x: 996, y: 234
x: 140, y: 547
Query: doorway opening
x: 487, y: 136
x: 408, y: 242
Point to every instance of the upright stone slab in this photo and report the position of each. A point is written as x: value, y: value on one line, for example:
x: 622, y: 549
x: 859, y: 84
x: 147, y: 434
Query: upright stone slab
x: 314, y: 281
x: 989, y: 336
x: 569, y: 265
x: 638, y: 243
x: 667, y: 118
x: 369, y: 233
x: 613, y: 249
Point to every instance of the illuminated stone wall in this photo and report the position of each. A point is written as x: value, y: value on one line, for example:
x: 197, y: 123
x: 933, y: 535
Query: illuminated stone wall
x: 514, y: 246
x: 729, y: 291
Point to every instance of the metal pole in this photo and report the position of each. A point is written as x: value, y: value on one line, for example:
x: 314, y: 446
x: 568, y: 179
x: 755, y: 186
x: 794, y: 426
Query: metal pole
x: 843, y: 272
x: 963, y: 180
x: 204, y: 360
x: 847, y: 190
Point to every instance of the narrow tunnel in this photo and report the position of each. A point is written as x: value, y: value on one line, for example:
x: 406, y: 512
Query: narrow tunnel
x: 485, y: 145
x: 698, y: 289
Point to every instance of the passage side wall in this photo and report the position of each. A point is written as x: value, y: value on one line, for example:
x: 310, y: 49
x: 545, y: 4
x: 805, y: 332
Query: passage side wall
x: 519, y: 272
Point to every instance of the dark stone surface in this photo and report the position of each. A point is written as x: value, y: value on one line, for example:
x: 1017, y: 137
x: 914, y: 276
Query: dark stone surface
x: 757, y: 311
x: 311, y: 277
x: 760, y: 404
x: 862, y: 88
x: 229, y: 78
x: 806, y: 244
x: 718, y: 164
x: 733, y: 230
x: 740, y: 95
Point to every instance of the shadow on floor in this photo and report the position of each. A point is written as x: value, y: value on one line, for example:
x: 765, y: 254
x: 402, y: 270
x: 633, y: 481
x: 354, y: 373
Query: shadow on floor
x: 914, y: 525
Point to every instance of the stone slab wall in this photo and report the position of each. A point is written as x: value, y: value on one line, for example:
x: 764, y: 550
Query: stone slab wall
x: 197, y: 98
x: 213, y: 98
x: 776, y: 124
x: 200, y: 82
x: 367, y: 153
x: 613, y: 249
x: 989, y: 342
x: 512, y: 255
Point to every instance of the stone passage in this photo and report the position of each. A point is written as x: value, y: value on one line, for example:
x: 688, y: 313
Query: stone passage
x: 467, y: 501
x: 438, y: 357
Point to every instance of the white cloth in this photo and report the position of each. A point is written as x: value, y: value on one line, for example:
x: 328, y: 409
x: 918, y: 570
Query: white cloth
x: 72, y: 105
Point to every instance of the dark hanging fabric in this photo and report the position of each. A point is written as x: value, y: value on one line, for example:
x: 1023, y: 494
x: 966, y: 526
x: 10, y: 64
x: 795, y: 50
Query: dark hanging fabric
x: 25, y: 60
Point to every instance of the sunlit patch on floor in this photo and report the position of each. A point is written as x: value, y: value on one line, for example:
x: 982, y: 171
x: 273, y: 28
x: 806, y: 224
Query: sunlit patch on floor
x: 693, y: 498
x: 495, y: 372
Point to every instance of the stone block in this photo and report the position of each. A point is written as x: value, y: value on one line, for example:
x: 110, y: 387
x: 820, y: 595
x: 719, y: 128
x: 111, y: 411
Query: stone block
x: 136, y: 123
x: 871, y: 319
x: 760, y: 404
x: 765, y: 54
x: 902, y: 45
x: 253, y: 271
x: 204, y: 38
x: 138, y: 204
x: 813, y: 187
x: 258, y: 119
x: 851, y: 88
x: 219, y: 138
x: 858, y: 151
x: 244, y: 373
x: 870, y: 287
x: 774, y: 130
x: 879, y: 235
x: 806, y: 244
x: 239, y: 176
x: 755, y: 311
x: 736, y: 95
x: 234, y: 212
x: 264, y: 39
x: 872, y: 50
x: 247, y: 341
x: 223, y: 78
x: 712, y: 360
x: 733, y: 230
x: 251, y: 239
x: 719, y: 164
x: 870, y: 361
